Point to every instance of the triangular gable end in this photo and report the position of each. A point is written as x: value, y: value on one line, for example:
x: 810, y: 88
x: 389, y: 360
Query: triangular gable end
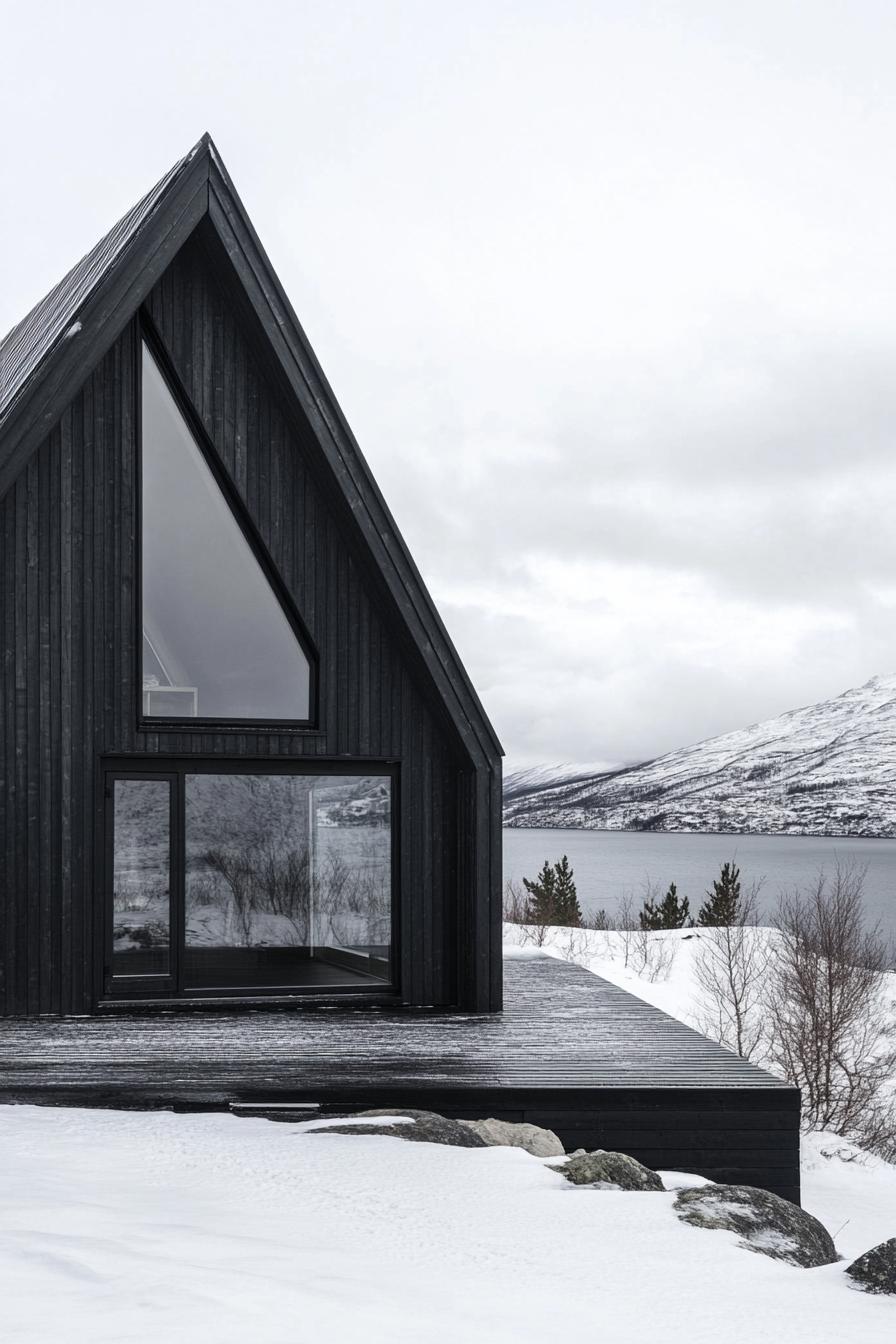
x: 45, y: 359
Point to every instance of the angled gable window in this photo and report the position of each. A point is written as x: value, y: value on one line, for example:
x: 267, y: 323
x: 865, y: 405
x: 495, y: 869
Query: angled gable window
x: 217, y: 642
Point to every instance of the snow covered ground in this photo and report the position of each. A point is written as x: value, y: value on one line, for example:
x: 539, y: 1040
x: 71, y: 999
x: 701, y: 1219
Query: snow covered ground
x: 132, y: 1227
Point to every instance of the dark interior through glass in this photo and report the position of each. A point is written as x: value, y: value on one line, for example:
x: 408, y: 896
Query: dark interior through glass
x: 286, y: 880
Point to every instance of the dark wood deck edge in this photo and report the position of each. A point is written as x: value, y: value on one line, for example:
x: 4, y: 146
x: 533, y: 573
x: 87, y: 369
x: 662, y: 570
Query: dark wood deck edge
x: 571, y: 1053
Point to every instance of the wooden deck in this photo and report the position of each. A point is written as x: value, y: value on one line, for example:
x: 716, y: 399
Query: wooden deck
x: 571, y: 1051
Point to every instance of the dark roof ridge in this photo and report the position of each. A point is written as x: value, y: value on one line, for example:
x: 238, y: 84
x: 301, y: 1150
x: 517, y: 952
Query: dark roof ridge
x: 33, y: 338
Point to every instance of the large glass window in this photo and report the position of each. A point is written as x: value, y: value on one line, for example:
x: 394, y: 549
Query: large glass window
x: 288, y: 879
x: 217, y: 643
x: 278, y: 881
x: 141, y: 877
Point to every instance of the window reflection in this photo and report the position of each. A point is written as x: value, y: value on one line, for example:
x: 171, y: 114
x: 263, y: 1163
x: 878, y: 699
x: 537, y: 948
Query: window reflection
x: 287, y: 880
x: 217, y: 644
x: 141, y: 895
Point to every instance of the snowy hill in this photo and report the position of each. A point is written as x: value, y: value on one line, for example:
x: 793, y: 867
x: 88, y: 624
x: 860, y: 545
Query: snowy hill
x: 827, y: 769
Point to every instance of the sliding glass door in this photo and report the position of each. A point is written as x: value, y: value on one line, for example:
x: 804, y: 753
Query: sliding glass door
x: 228, y: 881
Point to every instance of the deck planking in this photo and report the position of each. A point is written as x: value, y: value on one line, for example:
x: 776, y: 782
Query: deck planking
x: 561, y: 1026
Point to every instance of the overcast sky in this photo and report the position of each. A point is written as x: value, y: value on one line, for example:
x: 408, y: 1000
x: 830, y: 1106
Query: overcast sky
x: 606, y: 290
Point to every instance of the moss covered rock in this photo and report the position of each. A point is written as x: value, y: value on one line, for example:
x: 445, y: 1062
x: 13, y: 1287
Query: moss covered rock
x: 610, y: 1171
x: 765, y: 1223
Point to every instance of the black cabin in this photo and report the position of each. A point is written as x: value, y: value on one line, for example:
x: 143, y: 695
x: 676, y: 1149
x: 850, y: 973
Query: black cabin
x: 240, y: 759
x: 241, y: 763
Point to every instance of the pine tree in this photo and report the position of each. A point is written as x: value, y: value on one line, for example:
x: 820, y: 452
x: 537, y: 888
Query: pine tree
x: 672, y: 912
x: 552, y: 896
x: 567, y: 910
x: 540, y: 905
x: 721, y: 909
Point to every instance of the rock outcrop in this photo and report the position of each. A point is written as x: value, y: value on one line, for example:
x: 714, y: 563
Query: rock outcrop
x: 427, y: 1128
x: 609, y: 1171
x: 503, y: 1134
x: 765, y: 1223
x: 875, y: 1271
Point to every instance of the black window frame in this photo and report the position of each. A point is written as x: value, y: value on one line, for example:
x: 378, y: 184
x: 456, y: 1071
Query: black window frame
x: 169, y: 990
x: 148, y: 334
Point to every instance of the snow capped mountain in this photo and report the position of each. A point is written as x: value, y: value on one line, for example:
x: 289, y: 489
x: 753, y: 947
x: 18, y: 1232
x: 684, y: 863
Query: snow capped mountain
x: 528, y: 779
x: 827, y: 769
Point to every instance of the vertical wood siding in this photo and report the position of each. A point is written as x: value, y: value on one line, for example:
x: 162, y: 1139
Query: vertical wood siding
x: 68, y: 671
x: 67, y: 627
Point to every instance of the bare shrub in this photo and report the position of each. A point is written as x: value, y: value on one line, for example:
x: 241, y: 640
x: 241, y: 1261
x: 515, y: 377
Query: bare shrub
x: 355, y: 899
x: 823, y: 1004
x: 237, y: 871
x: 515, y: 902
x: 572, y: 944
x: 284, y: 888
x: 730, y: 969
x: 203, y: 890
x: 335, y: 887
x: 535, y: 935
x: 627, y: 922
x: 349, y: 900
x: 518, y: 910
x: 264, y: 881
x: 651, y: 957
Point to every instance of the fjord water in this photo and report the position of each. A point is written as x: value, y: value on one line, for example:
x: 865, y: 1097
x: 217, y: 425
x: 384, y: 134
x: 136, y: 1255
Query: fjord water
x: 608, y: 865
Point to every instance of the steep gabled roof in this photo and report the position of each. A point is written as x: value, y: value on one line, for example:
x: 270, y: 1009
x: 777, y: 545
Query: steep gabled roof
x: 47, y: 356
x: 35, y: 337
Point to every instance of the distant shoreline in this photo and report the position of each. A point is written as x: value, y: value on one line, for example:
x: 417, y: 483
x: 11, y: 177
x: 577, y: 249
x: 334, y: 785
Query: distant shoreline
x: 764, y: 835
